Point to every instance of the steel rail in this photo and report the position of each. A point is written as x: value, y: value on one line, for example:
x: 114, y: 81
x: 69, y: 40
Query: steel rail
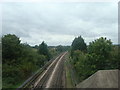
x: 30, y: 81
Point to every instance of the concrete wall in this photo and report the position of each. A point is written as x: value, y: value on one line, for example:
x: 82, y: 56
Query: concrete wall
x: 101, y: 79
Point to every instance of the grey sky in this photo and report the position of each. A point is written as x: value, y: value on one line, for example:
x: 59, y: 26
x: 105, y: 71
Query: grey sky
x: 60, y: 23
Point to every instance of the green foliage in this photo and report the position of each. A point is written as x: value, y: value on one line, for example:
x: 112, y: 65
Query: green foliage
x: 101, y: 46
x: 10, y: 74
x: 61, y: 48
x: 26, y: 69
x: 83, y: 64
x: 114, y: 59
x: 10, y: 47
x: 102, y: 49
x: 20, y: 60
x: 78, y: 44
x: 36, y: 46
x: 41, y: 60
x: 43, y: 49
x: 100, y: 55
x: 53, y: 51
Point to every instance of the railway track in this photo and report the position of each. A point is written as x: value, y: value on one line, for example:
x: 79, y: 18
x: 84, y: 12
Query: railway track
x: 44, y: 79
x: 51, y: 77
x: 57, y: 80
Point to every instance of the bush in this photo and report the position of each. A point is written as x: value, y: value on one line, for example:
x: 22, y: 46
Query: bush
x: 19, y: 60
x: 101, y: 55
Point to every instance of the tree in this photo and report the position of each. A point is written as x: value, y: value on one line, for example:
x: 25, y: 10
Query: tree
x: 20, y: 60
x: 10, y: 47
x: 114, y: 60
x: 36, y: 46
x: 43, y: 50
x: 60, y: 48
x: 100, y: 48
x: 101, y: 55
x: 78, y: 44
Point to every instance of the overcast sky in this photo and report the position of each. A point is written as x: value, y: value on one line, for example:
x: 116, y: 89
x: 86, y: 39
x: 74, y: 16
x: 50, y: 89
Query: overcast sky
x: 60, y: 23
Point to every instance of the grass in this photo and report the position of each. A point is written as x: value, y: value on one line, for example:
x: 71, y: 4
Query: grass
x: 69, y: 83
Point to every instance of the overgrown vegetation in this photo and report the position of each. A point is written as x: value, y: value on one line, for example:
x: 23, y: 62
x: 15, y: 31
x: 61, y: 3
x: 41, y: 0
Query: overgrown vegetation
x: 20, y: 60
x: 100, y: 54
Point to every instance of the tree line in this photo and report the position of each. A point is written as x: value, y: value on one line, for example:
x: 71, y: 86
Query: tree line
x: 20, y: 60
x: 100, y: 54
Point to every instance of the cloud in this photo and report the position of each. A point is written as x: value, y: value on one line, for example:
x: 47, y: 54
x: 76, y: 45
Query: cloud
x: 59, y: 23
